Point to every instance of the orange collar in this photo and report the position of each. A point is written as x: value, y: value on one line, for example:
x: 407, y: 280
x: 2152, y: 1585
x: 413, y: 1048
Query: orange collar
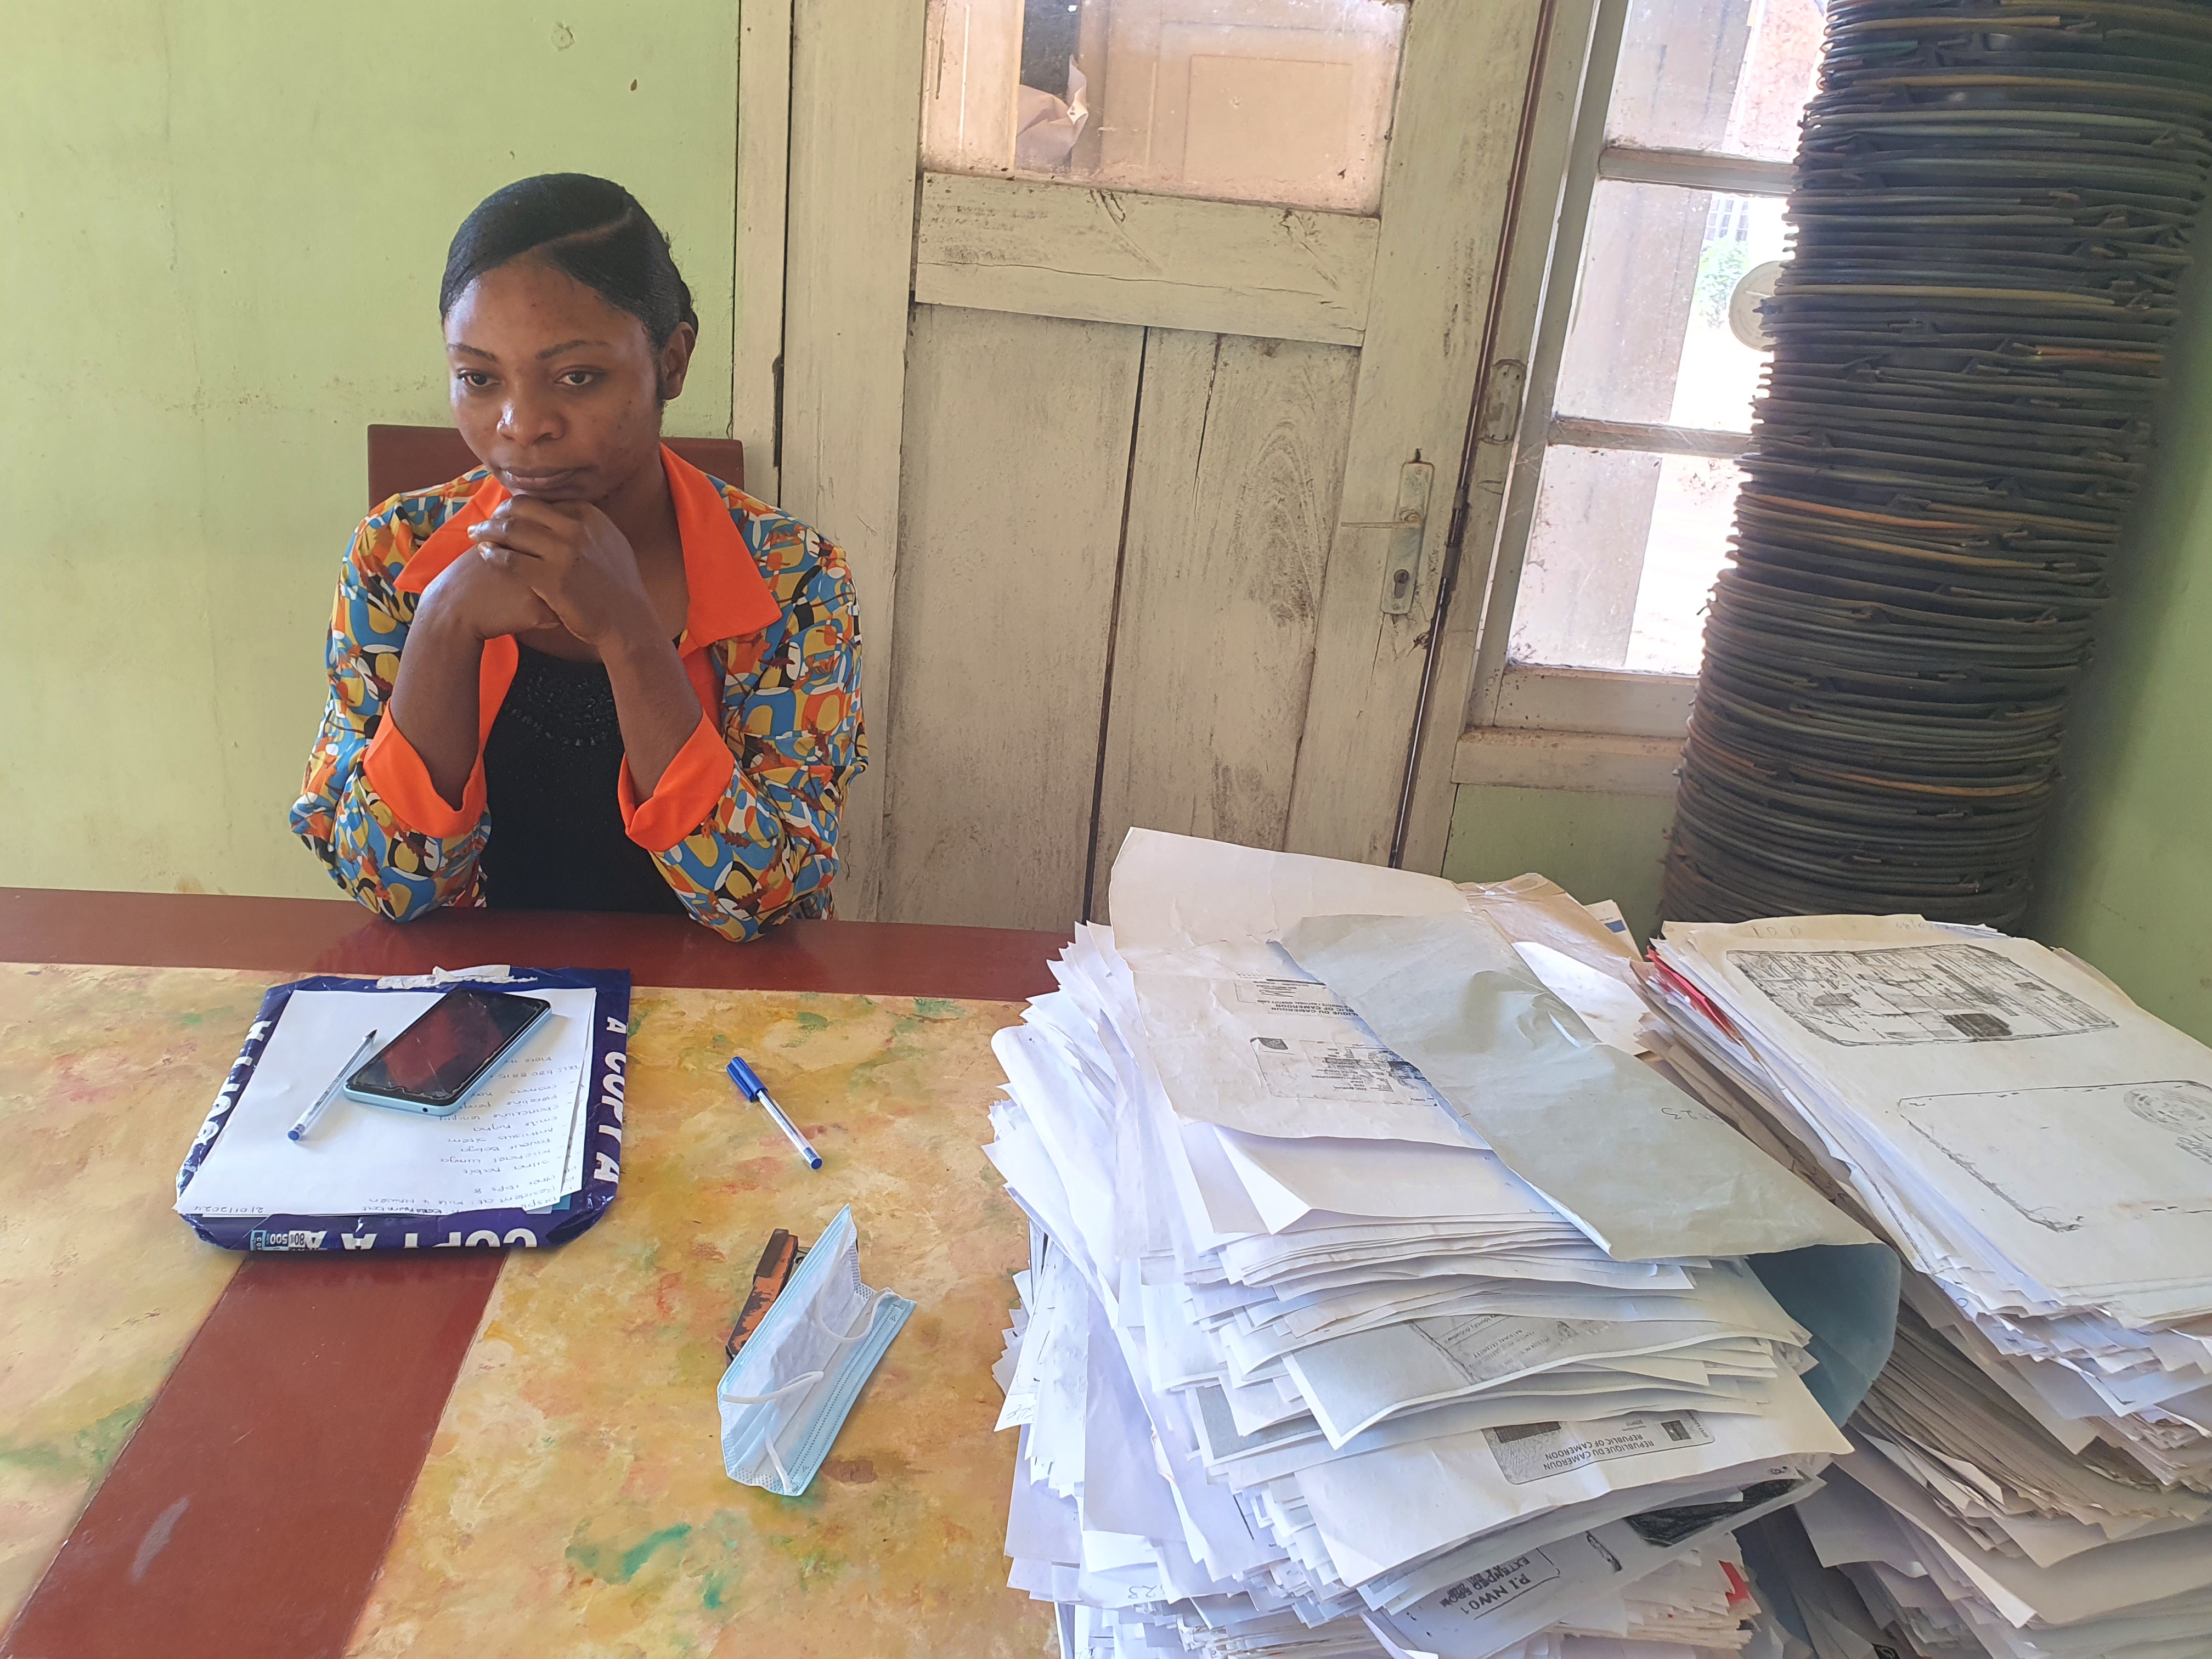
x: 728, y: 598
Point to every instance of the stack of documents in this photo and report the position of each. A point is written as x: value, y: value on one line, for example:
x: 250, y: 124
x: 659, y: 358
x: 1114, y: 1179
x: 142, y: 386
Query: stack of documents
x: 1308, y: 1362
x: 2031, y: 1465
x: 518, y: 1145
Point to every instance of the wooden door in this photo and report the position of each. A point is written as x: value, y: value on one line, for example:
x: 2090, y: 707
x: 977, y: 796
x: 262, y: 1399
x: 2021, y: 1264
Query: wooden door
x: 1147, y: 490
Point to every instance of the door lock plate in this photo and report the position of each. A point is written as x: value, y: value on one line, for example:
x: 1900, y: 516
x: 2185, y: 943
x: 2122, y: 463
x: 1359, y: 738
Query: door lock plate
x: 1401, y: 576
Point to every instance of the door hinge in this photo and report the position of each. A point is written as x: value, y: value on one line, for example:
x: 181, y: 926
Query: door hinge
x: 1501, y: 401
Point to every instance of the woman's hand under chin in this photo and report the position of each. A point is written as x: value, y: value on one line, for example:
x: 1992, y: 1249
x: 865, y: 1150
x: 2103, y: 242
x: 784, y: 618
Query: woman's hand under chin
x: 485, y: 600
x: 579, y: 568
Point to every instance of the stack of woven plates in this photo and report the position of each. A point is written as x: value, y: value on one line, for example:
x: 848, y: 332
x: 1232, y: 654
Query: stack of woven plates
x: 1993, y: 211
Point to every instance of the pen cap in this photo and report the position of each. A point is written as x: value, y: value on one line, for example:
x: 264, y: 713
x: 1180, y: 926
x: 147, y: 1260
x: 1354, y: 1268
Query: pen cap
x: 742, y: 1075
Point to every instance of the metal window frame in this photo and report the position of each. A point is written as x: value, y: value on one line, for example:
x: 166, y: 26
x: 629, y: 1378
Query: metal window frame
x: 1508, y: 694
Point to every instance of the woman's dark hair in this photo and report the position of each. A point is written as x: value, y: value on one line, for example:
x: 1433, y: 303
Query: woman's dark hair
x: 592, y: 228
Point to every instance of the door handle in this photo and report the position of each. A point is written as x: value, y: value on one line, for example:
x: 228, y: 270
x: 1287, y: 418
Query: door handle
x: 1401, y: 572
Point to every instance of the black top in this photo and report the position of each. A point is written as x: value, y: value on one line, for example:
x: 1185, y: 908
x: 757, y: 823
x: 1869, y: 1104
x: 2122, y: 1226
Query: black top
x: 550, y: 766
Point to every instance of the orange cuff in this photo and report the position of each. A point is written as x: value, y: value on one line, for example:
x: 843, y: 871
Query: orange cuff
x: 690, y: 789
x: 396, y: 772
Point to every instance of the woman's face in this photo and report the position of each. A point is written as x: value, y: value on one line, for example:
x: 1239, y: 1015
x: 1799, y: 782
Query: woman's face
x: 558, y: 392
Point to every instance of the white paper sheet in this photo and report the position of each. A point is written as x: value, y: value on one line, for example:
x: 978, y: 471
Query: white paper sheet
x: 1289, y: 1179
x: 1355, y: 1382
x: 1612, y: 1010
x: 1390, y: 1507
x: 1232, y: 1052
x: 1178, y: 892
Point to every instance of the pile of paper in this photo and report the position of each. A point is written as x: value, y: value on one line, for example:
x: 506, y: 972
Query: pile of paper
x: 1307, y: 1363
x: 2032, y: 1462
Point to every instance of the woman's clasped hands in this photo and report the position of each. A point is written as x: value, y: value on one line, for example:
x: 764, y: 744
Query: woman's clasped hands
x: 542, y: 564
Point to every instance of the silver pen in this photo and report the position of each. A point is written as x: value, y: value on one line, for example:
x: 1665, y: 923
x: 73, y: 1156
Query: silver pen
x: 308, y: 1118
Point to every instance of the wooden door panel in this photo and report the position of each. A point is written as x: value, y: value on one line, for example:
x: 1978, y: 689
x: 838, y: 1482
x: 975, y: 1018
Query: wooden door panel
x: 1016, y: 459
x: 1233, y: 503
x: 1162, y: 261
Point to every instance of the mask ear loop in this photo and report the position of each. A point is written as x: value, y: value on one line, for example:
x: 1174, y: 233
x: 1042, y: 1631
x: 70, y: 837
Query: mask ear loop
x: 860, y: 1329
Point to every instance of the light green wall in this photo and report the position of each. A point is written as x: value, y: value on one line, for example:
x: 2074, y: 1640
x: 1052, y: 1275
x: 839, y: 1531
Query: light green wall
x: 2127, y: 876
x: 1596, y: 847
x: 221, y: 231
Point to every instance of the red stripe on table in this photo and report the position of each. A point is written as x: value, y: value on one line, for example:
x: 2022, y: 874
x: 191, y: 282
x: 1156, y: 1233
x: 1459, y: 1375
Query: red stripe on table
x: 250, y: 1510
x: 284, y: 935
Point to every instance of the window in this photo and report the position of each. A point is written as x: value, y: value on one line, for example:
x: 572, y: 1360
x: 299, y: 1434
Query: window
x: 1647, y: 363
x: 1282, y: 101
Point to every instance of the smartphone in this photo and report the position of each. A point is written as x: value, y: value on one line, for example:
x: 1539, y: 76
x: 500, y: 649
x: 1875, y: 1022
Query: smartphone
x: 448, y: 1052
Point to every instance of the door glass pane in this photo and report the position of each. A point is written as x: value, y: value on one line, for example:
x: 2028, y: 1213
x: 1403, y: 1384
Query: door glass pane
x: 1715, y: 75
x: 1283, y: 102
x: 1621, y: 556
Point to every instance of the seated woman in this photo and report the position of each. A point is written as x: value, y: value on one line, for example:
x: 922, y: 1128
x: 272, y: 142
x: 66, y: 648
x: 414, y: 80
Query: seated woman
x: 587, y: 676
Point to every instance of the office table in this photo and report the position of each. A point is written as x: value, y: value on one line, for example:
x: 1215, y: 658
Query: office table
x: 474, y: 1452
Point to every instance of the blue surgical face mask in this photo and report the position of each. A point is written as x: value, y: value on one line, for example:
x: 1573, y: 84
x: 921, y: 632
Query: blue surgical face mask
x: 788, y: 1391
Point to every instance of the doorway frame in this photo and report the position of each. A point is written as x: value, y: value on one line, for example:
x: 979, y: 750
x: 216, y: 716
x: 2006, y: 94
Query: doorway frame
x: 1478, y: 149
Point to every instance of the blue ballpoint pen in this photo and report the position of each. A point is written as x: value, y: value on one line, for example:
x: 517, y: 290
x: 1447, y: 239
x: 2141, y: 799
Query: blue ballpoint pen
x: 753, y: 1089
x: 308, y: 1119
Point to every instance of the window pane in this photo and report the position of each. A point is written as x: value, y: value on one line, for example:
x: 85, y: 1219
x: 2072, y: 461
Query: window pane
x: 1650, y: 340
x: 1621, y: 556
x: 1283, y: 102
x: 1624, y: 545
x: 1721, y: 74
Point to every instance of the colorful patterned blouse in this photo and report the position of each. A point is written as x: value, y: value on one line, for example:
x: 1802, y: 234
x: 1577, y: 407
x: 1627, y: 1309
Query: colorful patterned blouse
x: 743, y: 823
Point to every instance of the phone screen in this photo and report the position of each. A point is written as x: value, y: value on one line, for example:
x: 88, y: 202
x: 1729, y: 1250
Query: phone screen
x: 436, y: 1059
